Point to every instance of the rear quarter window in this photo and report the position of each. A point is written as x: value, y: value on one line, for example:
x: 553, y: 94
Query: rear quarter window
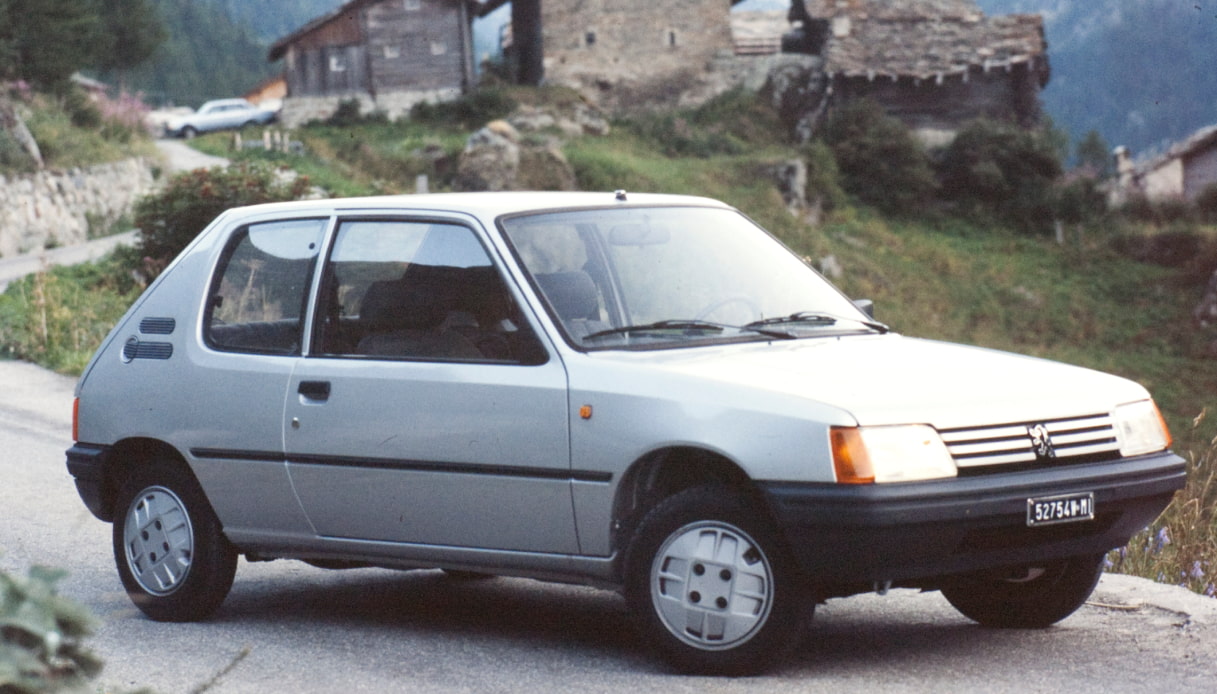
x: 260, y: 290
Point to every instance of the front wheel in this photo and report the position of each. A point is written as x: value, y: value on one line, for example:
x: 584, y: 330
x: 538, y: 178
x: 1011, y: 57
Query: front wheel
x: 172, y: 556
x: 711, y: 584
x: 1026, y: 597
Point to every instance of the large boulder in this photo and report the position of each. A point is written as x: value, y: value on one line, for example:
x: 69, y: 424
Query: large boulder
x: 13, y: 126
x: 491, y: 159
x: 498, y: 158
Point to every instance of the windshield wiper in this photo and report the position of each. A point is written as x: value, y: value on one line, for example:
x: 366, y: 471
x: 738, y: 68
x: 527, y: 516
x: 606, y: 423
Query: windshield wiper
x: 686, y: 324
x: 815, y: 318
x: 658, y: 325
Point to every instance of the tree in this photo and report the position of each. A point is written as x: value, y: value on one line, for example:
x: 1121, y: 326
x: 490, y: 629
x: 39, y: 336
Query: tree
x: 881, y: 163
x: 133, y: 32
x: 48, y: 40
x: 999, y: 170
x: 1094, y: 155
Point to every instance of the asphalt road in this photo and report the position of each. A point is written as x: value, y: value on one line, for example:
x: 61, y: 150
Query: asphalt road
x: 288, y: 627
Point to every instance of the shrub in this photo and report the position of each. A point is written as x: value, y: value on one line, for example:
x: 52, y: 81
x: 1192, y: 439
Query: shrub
x: 169, y: 220
x: 881, y: 163
x: 1140, y: 208
x: 349, y: 113
x: 471, y: 111
x: 1079, y: 201
x: 994, y: 169
x: 40, y: 648
x: 1206, y: 204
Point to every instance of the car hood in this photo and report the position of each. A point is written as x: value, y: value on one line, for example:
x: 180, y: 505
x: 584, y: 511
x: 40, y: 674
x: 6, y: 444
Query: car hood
x: 891, y: 379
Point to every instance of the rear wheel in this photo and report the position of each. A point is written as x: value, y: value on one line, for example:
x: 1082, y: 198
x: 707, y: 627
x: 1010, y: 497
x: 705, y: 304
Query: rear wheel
x: 172, y: 556
x: 711, y: 584
x: 189, y: 132
x: 1027, y: 597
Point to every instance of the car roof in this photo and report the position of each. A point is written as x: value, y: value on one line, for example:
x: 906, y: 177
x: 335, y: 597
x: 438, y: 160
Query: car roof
x: 482, y: 204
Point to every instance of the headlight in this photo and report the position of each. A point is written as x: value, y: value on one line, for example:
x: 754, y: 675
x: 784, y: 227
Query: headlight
x: 1140, y: 428
x: 862, y: 455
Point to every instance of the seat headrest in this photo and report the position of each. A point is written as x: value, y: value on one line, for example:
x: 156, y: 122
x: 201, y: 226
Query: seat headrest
x: 405, y: 304
x: 572, y: 294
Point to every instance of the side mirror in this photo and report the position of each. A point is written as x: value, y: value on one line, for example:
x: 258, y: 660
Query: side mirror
x: 866, y: 306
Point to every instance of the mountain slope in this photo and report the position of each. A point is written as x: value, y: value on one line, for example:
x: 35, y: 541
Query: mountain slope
x: 1137, y: 71
x: 216, y: 48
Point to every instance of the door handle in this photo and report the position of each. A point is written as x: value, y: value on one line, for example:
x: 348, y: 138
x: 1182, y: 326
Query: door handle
x: 315, y: 390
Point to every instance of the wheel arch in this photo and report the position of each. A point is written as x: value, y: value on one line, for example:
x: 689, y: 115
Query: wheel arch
x: 128, y: 455
x: 663, y: 472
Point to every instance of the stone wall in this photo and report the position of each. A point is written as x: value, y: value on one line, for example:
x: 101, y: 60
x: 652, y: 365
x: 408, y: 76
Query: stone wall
x: 55, y: 208
x: 298, y: 110
x: 625, y: 54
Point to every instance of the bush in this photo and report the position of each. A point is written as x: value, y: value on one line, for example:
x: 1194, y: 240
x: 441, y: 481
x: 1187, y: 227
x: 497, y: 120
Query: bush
x: 470, y: 112
x: 169, y: 220
x: 881, y: 163
x: 1140, y: 208
x: 994, y: 169
x: 40, y: 649
x: 1079, y: 201
x: 1206, y: 204
x: 349, y: 113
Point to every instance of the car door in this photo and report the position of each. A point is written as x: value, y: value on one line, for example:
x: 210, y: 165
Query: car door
x: 225, y: 404
x: 427, y: 410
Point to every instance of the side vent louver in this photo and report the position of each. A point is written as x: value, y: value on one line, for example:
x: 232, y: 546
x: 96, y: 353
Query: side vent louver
x: 157, y: 326
x: 134, y: 349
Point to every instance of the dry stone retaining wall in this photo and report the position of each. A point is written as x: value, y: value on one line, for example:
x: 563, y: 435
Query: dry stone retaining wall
x: 54, y: 208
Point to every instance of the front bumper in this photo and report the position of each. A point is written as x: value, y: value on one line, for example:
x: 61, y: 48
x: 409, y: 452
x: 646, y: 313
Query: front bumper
x: 906, y: 533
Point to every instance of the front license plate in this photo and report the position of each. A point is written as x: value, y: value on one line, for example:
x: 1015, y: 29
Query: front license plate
x: 1066, y: 508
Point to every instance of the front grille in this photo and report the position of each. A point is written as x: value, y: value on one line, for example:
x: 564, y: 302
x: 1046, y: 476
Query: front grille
x: 1077, y: 439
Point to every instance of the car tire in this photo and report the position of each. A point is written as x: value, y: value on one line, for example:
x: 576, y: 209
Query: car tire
x: 171, y: 553
x: 189, y: 133
x: 1027, y: 597
x: 711, y: 584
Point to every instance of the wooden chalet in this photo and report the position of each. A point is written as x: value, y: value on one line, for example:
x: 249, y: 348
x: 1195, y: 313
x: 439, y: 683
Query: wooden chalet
x: 935, y: 64
x: 387, y: 54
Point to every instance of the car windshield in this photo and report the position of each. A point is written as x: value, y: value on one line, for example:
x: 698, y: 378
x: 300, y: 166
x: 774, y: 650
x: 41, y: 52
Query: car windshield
x: 673, y: 276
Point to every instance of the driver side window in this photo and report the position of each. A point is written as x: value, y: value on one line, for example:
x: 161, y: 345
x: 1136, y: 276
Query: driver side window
x: 418, y: 290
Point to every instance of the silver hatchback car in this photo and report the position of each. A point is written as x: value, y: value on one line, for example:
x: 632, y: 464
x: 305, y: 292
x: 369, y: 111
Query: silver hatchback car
x: 634, y: 391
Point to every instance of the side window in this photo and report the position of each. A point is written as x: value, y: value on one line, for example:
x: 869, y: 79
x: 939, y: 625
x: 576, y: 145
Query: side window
x: 258, y: 297
x: 418, y: 290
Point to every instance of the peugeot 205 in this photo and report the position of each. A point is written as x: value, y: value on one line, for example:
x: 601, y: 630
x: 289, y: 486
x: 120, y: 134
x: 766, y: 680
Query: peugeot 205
x: 642, y: 392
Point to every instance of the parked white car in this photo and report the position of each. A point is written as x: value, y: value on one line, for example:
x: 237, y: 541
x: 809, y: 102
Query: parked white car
x: 221, y: 114
x: 640, y: 391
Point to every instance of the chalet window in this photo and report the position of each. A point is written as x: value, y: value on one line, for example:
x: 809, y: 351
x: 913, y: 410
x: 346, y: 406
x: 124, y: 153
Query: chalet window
x: 671, y: 38
x: 590, y: 39
x: 338, y: 63
x: 438, y: 48
x: 392, y: 52
x: 412, y: 5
